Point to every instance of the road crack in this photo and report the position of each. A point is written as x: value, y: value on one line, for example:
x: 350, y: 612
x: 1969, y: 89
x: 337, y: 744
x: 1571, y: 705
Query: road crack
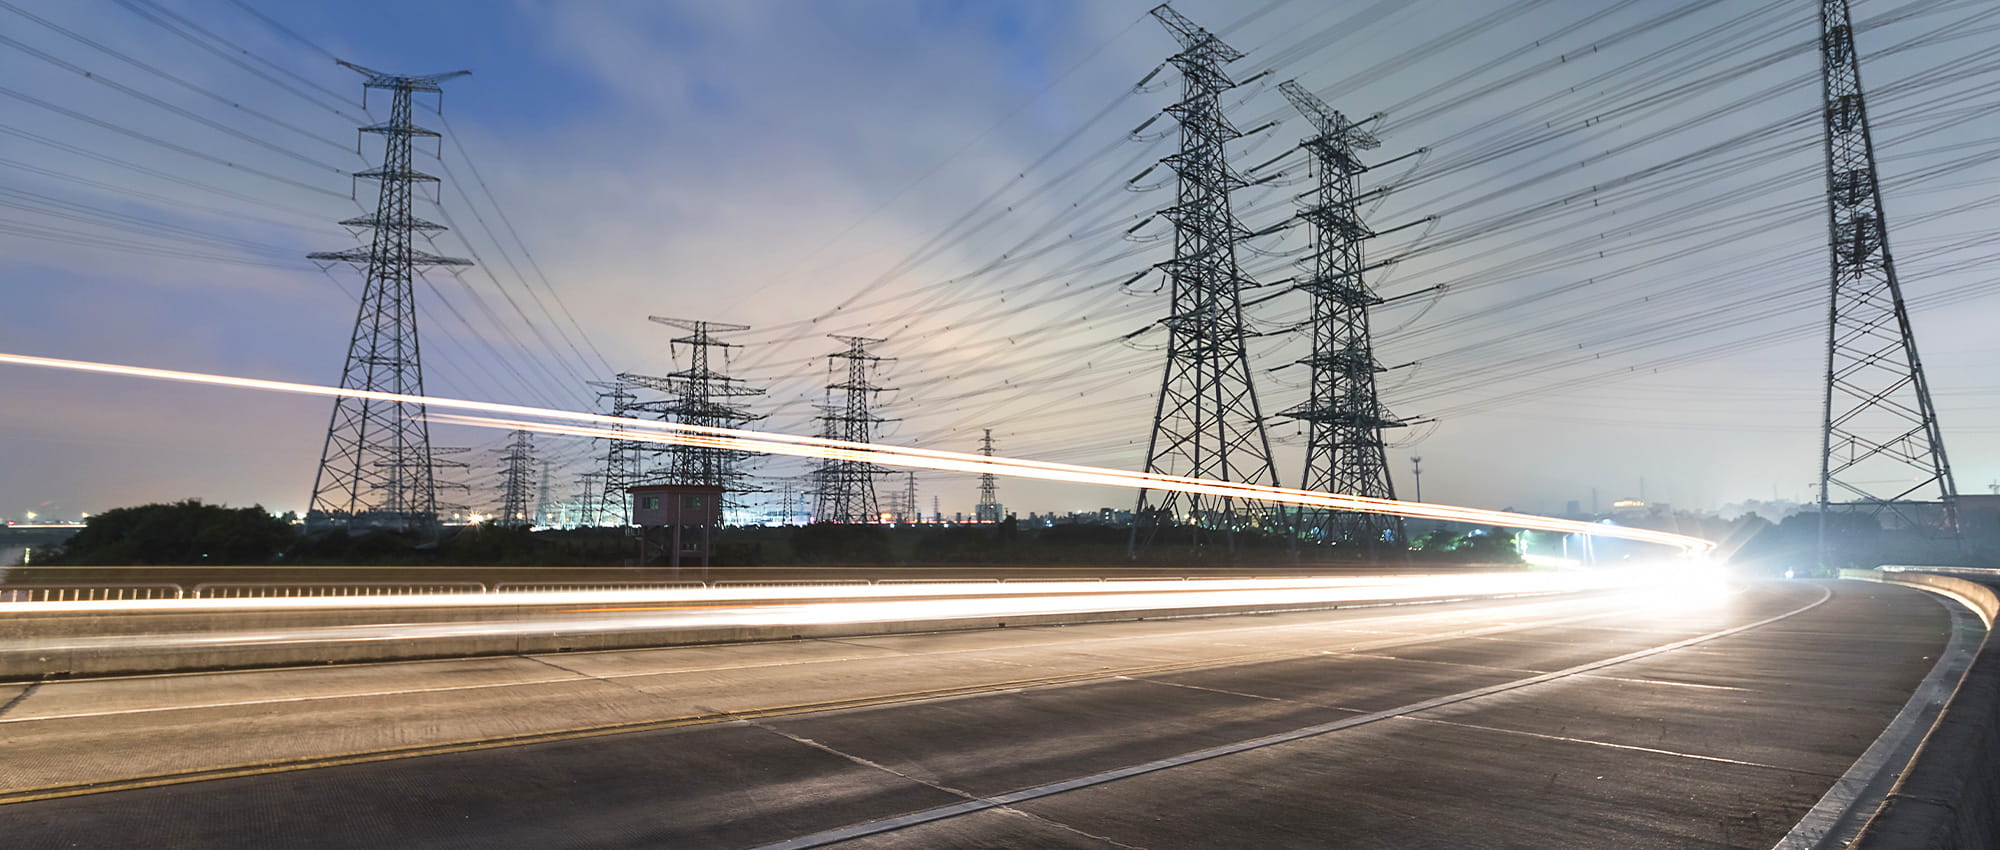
x: 31, y: 688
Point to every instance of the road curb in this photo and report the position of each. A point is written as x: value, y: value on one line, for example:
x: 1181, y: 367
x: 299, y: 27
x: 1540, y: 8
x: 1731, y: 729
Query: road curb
x: 1944, y: 799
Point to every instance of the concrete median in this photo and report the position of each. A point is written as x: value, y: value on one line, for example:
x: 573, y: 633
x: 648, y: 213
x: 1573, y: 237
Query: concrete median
x: 54, y: 645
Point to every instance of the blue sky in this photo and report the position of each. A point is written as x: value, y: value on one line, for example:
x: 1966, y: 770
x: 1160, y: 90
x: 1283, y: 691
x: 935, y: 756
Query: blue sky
x: 953, y: 176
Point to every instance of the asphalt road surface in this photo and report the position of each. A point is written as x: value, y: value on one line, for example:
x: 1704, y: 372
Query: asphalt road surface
x: 1626, y: 719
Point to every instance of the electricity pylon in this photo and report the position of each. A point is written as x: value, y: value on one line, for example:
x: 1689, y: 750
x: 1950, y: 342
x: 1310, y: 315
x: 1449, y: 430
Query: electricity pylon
x: 989, y: 509
x: 846, y: 487
x: 698, y: 395
x: 909, y: 511
x: 375, y: 468
x: 1881, y: 451
x: 517, y: 466
x: 624, y: 460
x: 1344, y: 417
x: 587, y: 499
x: 545, y: 506
x: 1206, y: 421
x: 447, y: 475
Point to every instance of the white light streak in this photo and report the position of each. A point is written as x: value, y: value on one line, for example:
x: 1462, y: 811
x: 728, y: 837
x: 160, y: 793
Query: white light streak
x: 789, y: 605
x: 594, y: 425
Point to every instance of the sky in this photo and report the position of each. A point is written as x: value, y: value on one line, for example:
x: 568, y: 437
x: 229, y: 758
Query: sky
x: 1628, y: 198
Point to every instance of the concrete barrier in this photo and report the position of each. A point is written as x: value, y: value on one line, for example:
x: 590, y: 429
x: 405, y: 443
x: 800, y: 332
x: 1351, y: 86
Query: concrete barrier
x: 29, y: 663
x: 1949, y: 795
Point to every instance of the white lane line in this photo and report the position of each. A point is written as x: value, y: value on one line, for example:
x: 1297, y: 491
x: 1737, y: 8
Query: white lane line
x: 1607, y: 744
x: 721, y: 668
x: 1381, y: 657
x: 1152, y: 681
x: 853, y: 831
x: 1667, y: 683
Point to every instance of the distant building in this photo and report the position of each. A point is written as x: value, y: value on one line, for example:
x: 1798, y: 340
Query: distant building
x: 676, y: 523
x: 1979, y: 520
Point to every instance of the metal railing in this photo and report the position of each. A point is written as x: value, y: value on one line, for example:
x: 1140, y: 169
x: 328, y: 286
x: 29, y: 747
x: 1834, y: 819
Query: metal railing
x: 30, y: 593
x: 578, y: 586
x: 315, y: 590
x: 798, y: 582
x: 89, y: 592
x: 894, y: 581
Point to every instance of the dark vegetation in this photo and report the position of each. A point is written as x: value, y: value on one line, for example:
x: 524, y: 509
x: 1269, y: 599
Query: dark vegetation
x: 185, y: 532
x: 191, y: 534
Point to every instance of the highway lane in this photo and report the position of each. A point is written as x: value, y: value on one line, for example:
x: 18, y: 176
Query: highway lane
x: 1720, y: 743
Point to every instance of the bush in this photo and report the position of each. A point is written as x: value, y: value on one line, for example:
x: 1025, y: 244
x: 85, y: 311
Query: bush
x: 181, y: 533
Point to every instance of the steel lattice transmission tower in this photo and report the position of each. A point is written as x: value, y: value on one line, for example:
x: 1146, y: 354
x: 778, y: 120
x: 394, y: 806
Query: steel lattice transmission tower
x: 1880, y: 426
x: 624, y: 460
x: 1206, y: 423
x: 698, y: 395
x: 989, y: 509
x: 909, y: 512
x: 846, y: 487
x: 1344, y: 417
x: 375, y: 469
x: 587, y: 505
x: 516, y: 473
x: 546, y: 512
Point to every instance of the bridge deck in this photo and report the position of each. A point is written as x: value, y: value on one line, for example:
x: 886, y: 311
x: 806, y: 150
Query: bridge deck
x: 1723, y: 743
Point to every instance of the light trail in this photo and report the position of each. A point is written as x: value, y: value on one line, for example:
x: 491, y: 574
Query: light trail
x: 574, y: 423
x: 796, y: 605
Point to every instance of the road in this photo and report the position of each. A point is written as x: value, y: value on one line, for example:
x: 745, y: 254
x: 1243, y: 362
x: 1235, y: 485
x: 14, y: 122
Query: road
x: 1623, y: 719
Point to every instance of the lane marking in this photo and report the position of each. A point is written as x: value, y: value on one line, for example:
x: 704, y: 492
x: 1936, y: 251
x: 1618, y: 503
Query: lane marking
x: 1401, y: 659
x: 33, y: 794
x: 1667, y: 683
x: 1610, y: 745
x: 878, y: 827
x: 1152, y: 681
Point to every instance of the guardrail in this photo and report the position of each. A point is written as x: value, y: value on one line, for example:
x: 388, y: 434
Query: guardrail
x: 799, y: 582
x: 89, y: 592
x: 894, y: 581
x: 561, y: 586
x: 30, y: 593
x: 318, y: 590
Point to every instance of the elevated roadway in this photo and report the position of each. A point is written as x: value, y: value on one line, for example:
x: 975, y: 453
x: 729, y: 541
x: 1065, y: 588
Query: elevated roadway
x: 1679, y: 716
